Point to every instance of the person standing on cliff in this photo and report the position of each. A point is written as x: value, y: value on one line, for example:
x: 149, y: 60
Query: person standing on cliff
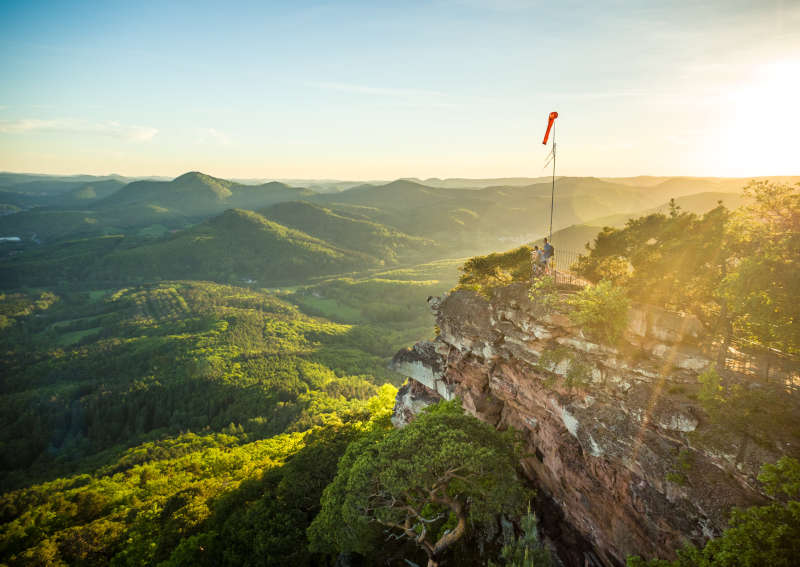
x: 537, y: 262
x: 547, y: 252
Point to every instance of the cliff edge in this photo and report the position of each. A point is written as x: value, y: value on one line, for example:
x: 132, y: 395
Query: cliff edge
x: 616, y: 437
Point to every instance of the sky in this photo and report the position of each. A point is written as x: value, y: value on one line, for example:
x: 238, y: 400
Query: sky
x: 382, y: 89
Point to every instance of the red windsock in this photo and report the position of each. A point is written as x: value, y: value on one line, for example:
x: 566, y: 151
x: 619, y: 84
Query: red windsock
x: 553, y: 116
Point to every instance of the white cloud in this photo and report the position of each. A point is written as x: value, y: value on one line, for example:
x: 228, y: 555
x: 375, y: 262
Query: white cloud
x: 212, y: 135
x: 110, y: 129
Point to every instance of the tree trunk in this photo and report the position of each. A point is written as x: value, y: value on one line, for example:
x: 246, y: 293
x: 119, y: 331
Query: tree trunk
x: 450, y: 537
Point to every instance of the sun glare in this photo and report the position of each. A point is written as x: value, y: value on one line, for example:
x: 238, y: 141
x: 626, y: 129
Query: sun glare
x: 762, y: 124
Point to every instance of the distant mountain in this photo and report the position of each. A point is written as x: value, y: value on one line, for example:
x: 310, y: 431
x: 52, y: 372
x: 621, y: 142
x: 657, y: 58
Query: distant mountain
x: 366, y: 236
x: 54, y: 184
x: 316, y: 185
x: 397, y: 195
x: 87, y: 192
x: 575, y: 237
x: 109, y: 206
x: 391, y: 222
x: 465, y: 183
x: 43, y: 187
x: 22, y: 200
x: 469, y: 221
x: 236, y: 245
x: 50, y: 224
x: 195, y: 194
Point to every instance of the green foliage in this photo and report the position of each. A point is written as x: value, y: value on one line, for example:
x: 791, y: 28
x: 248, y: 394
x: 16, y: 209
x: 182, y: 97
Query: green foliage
x: 756, y: 536
x: 431, y: 482
x: 87, y: 374
x: 578, y: 371
x: 601, y: 310
x: 527, y: 549
x: 676, y: 261
x: 209, y: 500
x: 482, y: 273
x: 234, y: 246
x: 782, y: 478
x: 100, y: 396
x: 544, y: 294
x: 761, y: 290
x: 740, y: 271
x: 738, y: 406
x: 712, y: 393
x: 386, y: 315
x: 681, y: 468
x: 379, y: 241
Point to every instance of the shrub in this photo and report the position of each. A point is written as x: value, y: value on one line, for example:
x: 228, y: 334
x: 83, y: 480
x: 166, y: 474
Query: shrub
x: 544, y: 294
x: 482, y: 273
x: 602, y: 311
x: 756, y: 536
x: 527, y: 550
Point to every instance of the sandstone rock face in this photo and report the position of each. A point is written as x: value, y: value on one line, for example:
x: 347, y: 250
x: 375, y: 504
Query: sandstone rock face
x: 411, y: 399
x: 614, y: 440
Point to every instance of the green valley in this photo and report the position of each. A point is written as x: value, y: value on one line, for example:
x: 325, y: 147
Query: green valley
x: 193, y: 368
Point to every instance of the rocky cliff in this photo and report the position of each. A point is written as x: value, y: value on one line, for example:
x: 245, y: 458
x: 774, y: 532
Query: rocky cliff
x: 616, y: 437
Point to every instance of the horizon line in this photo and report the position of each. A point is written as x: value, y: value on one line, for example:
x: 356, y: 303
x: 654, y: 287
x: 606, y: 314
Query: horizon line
x: 407, y: 177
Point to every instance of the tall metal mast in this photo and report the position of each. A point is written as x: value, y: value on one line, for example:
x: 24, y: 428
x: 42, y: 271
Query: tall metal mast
x: 553, y: 190
x: 551, y: 125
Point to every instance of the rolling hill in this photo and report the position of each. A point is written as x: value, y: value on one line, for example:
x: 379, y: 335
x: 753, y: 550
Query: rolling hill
x: 236, y: 245
x: 195, y: 194
x: 110, y: 206
x: 483, y: 219
x: 88, y: 192
x: 369, y: 237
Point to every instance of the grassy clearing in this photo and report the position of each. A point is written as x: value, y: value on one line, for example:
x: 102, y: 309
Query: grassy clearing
x: 97, y: 294
x: 442, y: 270
x: 330, y: 308
x: 68, y: 339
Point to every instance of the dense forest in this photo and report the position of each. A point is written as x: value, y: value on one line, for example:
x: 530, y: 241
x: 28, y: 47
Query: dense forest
x: 161, y: 405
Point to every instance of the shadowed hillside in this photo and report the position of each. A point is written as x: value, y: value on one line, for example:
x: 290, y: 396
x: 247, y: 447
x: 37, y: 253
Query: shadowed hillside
x: 365, y: 236
x: 233, y: 246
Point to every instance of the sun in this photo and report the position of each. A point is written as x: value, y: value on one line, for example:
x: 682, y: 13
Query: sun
x: 761, y: 129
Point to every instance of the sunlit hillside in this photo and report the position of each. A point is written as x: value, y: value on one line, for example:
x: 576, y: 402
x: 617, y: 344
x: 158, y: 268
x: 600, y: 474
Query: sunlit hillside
x: 460, y: 283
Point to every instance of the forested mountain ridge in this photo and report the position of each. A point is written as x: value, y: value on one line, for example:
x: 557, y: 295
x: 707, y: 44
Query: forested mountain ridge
x: 233, y: 246
x: 372, y: 238
x: 141, y: 207
x: 100, y: 388
x: 402, y: 221
x: 89, y: 192
x: 195, y: 194
x: 490, y: 210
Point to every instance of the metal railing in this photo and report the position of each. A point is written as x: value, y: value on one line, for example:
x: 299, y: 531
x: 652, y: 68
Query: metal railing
x: 744, y: 358
x: 559, y: 266
x: 767, y: 365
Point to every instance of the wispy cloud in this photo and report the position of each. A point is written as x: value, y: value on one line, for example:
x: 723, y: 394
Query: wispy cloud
x: 592, y: 95
x: 376, y: 91
x: 212, y: 135
x: 111, y: 129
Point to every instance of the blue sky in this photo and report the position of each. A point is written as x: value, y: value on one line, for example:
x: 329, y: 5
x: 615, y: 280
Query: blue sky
x: 378, y: 90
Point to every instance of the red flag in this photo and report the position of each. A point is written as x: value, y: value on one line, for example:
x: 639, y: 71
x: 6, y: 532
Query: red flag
x: 553, y: 116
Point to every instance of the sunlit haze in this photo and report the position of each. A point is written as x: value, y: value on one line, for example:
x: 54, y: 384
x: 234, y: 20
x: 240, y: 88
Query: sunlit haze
x: 379, y: 90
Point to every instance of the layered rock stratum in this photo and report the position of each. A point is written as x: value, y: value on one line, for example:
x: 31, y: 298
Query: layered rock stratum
x: 615, y: 435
